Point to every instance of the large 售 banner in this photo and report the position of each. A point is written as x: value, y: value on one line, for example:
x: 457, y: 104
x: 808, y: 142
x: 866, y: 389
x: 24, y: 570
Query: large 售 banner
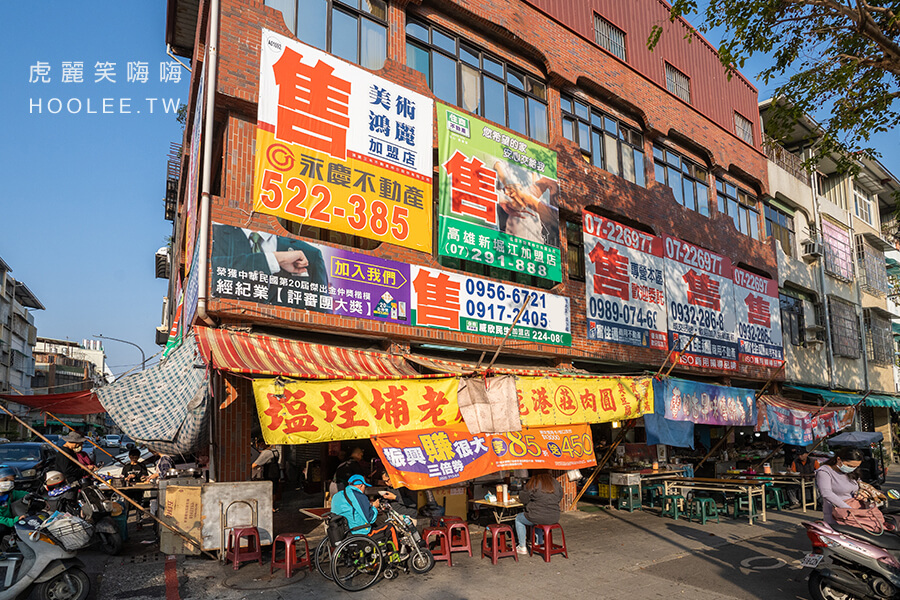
x: 624, y: 284
x: 302, y: 412
x: 700, y: 304
x: 545, y: 401
x: 433, y: 458
x: 758, y: 319
x: 497, y: 197
x: 341, y: 149
x: 479, y: 306
x: 262, y: 267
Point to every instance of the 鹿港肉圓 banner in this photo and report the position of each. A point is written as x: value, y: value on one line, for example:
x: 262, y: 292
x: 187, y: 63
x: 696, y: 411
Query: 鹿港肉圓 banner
x: 263, y: 267
x: 302, y: 412
x: 433, y: 458
x: 624, y: 284
x: 341, y: 149
x: 545, y: 401
x: 707, y: 404
x: 758, y: 319
x: 497, y: 197
x: 471, y: 305
x: 700, y: 304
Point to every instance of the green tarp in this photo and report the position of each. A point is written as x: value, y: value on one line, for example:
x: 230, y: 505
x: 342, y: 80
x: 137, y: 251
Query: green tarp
x: 849, y: 398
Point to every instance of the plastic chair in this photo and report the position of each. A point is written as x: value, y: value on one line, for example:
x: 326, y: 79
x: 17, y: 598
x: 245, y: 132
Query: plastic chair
x: 653, y: 494
x: 500, y: 543
x: 236, y: 553
x: 458, y: 534
x: 744, y: 508
x: 442, y: 536
x: 775, y: 498
x: 671, y: 506
x: 548, y: 548
x: 630, y: 498
x: 703, y: 509
x: 291, y: 561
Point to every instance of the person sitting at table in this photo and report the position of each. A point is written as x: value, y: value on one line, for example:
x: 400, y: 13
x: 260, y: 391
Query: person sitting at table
x: 401, y: 499
x: 541, y: 497
x: 133, y: 473
x: 803, y: 465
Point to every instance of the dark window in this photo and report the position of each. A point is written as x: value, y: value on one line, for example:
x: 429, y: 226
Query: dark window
x: 740, y: 206
x: 780, y: 225
x: 575, y: 250
x: 678, y: 83
x: 792, y: 320
x: 467, y: 77
x: 844, y: 329
x: 604, y: 141
x: 838, y: 252
x: 609, y: 37
x: 879, y: 338
x: 872, y: 267
x: 688, y: 180
x: 355, y: 30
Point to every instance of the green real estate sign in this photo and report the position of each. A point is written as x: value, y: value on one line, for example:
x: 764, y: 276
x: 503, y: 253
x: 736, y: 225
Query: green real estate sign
x: 497, y: 196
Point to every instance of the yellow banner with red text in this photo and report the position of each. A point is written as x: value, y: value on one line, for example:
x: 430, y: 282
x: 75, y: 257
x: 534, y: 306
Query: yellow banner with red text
x: 547, y: 401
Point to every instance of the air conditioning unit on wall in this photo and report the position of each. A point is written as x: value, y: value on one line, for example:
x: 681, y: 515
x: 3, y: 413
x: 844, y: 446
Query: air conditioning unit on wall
x: 812, y: 250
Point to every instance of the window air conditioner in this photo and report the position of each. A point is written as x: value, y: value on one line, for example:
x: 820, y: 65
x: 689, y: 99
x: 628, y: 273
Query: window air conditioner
x: 812, y: 250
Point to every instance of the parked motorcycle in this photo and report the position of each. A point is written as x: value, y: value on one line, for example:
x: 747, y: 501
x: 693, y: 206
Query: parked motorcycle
x: 41, y: 563
x: 85, y: 499
x: 849, y: 563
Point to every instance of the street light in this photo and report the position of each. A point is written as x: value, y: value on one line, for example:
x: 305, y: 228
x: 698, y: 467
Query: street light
x: 143, y: 360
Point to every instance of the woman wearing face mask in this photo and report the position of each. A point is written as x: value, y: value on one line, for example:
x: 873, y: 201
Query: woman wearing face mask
x: 8, y: 495
x: 838, y: 481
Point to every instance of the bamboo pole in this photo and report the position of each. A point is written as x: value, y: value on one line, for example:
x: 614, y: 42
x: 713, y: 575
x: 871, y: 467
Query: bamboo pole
x: 669, y: 355
x: 173, y: 529
x: 47, y: 412
x: 508, y: 333
x: 602, y: 463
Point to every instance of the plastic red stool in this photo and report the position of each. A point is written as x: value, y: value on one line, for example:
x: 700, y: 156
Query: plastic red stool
x: 460, y: 541
x: 443, y: 537
x: 234, y: 551
x: 499, y: 544
x: 548, y: 548
x: 291, y: 561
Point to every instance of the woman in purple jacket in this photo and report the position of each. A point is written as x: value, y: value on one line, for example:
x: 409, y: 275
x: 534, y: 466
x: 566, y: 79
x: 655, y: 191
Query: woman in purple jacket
x: 838, y: 481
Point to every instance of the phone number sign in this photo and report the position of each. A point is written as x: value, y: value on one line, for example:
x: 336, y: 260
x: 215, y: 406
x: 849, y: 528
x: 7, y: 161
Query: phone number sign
x: 342, y: 149
x: 758, y: 319
x: 700, y: 303
x: 471, y: 305
x: 624, y: 284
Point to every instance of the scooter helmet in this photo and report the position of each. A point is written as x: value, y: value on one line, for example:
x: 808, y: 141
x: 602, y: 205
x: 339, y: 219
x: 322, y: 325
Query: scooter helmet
x: 54, y: 478
x: 7, y: 472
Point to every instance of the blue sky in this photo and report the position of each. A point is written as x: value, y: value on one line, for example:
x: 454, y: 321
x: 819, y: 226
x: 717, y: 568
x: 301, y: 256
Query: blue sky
x: 83, y: 204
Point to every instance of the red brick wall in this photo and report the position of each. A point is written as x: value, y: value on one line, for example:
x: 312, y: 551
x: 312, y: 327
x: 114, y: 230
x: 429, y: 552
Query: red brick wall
x: 524, y: 36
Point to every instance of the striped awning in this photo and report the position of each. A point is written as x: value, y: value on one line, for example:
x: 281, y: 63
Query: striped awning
x: 264, y: 355
x: 463, y: 368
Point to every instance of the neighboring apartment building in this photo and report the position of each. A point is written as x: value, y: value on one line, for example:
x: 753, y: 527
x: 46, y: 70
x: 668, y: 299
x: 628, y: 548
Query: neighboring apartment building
x: 17, y: 338
x: 833, y: 275
x: 63, y: 366
x: 661, y: 150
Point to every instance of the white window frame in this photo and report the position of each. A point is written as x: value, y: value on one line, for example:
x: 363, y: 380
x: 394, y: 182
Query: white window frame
x: 862, y: 204
x: 678, y: 83
x: 743, y: 128
x: 610, y: 38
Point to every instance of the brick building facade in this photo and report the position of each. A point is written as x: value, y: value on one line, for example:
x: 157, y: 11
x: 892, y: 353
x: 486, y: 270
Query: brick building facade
x: 586, y: 63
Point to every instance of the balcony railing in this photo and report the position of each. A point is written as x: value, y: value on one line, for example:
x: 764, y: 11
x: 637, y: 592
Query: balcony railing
x: 784, y: 159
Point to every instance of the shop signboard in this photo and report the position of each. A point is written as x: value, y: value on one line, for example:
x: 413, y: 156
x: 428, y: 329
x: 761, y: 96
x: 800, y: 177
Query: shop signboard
x: 261, y: 267
x: 193, y: 184
x: 707, y: 404
x: 624, y: 284
x: 303, y: 412
x: 497, y: 197
x: 800, y: 427
x: 758, y: 317
x: 471, y: 305
x: 440, y: 457
x: 545, y: 401
x: 340, y: 148
x: 700, y: 305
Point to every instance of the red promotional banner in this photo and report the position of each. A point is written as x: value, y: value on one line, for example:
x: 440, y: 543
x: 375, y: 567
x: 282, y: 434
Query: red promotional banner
x: 439, y: 457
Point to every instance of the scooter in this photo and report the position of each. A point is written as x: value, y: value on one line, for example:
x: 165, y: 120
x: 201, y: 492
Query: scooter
x: 849, y: 563
x: 87, y: 501
x: 41, y: 565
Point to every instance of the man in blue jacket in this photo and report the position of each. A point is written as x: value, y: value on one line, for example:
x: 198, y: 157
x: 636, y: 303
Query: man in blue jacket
x: 353, y: 504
